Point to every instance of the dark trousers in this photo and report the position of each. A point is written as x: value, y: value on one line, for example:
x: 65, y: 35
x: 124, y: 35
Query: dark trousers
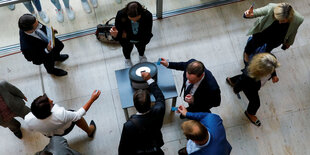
x: 128, y: 46
x: 53, y: 56
x: 250, y: 88
x: 13, y: 125
x: 257, y: 41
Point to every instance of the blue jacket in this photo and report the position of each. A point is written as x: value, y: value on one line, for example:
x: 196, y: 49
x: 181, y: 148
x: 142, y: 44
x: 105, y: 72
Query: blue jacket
x: 218, y: 144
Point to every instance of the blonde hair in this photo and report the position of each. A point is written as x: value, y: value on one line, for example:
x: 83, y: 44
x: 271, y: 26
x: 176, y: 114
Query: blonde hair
x: 262, y: 65
x: 283, y: 11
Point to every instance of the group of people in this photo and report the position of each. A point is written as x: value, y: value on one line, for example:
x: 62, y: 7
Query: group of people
x: 59, y: 10
x: 141, y: 134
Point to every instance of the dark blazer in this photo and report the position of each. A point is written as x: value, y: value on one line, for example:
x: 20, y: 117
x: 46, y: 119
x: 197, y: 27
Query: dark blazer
x: 123, y: 23
x: 218, y: 144
x: 14, y: 99
x: 208, y: 93
x: 58, y: 146
x: 145, y: 132
x: 34, y: 48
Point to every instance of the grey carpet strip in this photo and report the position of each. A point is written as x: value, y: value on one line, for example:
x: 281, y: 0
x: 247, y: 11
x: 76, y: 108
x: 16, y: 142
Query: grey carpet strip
x: 15, y: 48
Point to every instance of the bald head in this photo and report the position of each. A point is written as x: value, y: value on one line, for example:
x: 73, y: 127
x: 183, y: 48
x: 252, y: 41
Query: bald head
x: 195, y: 131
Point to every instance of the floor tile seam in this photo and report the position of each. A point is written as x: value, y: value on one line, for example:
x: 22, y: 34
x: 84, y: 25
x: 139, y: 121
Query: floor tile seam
x: 41, y: 79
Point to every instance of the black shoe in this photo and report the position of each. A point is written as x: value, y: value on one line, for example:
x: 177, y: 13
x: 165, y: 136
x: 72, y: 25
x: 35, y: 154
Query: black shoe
x: 18, y: 134
x: 59, y: 72
x: 62, y: 57
x: 92, y: 134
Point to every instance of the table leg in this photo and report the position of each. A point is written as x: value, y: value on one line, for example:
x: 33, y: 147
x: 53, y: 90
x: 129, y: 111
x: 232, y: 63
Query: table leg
x: 126, y: 113
x: 174, y: 101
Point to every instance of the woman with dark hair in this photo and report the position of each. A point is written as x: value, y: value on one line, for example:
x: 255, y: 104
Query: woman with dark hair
x: 133, y: 26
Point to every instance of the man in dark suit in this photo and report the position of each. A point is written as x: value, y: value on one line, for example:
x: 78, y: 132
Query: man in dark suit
x: 12, y: 105
x: 36, y: 45
x: 206, y: 134
x: 201, y: 90
x: 141, y: 133
x: 57, y: 146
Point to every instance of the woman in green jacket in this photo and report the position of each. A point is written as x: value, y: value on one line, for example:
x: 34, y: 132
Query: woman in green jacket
x: 278, y: 25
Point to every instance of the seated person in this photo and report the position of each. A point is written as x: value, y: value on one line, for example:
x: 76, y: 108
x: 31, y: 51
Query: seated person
x: 53, y: 120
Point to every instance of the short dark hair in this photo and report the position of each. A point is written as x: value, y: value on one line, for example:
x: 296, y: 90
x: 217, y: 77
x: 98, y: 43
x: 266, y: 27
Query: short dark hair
x: 134, y: 9
x: 196, y: 67
x: 26, y: 21
x: 41, y: 107
x: 198, y: 135
x: 142, y: 100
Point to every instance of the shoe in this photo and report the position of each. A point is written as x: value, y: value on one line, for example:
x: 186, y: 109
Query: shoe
x: 34, y: 14
x: 128, y: 63
x: 86, y: 7
x: 257, y: 122
x: 70, y: 13
x: 44, y: 17
x: 59, y: 15
x: 58, y: 72
x: 18, y: 134
x: 118, y: 1
x: 182, y: 151
x: 143, y: 58
x: 94, y: 3
x: 92, y: 134
x: 229, y: 82
x: 11, y: 7
x: 62, y: 57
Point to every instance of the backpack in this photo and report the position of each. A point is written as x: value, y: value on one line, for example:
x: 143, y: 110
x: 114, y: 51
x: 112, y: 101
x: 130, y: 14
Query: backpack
x: 103, y: 32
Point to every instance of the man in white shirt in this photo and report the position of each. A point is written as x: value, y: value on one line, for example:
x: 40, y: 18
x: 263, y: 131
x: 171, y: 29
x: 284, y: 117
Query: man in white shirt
x: 53, y: 120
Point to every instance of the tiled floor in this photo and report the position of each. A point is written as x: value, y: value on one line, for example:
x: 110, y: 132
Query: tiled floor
x: 215, y: 36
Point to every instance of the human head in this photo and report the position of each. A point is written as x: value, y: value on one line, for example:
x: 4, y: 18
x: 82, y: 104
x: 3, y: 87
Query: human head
x: 27, y: 23
x: 142, y: 100
x: 134, y: 10
x: 195, y: 131
x: 195, y: 71
x: 283, y: 12
x: 262, y: 65
x: 41, y: 107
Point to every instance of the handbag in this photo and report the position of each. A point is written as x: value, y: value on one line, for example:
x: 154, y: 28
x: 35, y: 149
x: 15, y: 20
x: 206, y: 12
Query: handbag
x: 103, y: 32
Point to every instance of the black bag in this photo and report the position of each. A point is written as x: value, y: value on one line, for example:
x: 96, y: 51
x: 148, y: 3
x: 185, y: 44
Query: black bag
x: 103, y: 32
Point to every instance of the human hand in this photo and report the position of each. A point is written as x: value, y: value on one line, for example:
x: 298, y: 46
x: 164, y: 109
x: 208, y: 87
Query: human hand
x: 55, y: 31
x: 49, y: 47
x: 113, y: 32
x: 189, y: 98
x: 145, y: 75
x: 164, y: 62
x: 275, y: 79
x: 95, y: 95
x: 182, y: 110
x: 249, y: 13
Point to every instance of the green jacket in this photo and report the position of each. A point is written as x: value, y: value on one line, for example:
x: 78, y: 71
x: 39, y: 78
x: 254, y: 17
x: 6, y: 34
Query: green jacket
x: 268, y: 18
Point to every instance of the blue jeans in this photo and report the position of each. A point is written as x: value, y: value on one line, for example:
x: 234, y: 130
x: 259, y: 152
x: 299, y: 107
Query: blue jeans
x: 36, y: 3
x: 57, y: 4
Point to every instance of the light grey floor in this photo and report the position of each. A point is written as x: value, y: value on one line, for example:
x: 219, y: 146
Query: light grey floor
x: 215, y: 36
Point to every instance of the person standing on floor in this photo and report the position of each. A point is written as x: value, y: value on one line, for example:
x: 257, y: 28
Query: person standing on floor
x: 35, y: 46
x: 260, y: 69
x: 57, y: 146
x: 201, y: 90
x: 278, y: 25
x: 133, y: 26
x: 141, y: 133
x: 12, y: 105
x: 86, y: 6
x: 59, y: 11
x: 205, y: 133
x: 53, y: 120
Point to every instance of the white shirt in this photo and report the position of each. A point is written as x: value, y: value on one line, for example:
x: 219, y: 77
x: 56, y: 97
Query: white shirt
x: 193, y: 147
x: 195, y: 86
x: 60, y: 120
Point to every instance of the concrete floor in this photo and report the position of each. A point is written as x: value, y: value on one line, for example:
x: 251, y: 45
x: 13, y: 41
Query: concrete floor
x: 215, y: 36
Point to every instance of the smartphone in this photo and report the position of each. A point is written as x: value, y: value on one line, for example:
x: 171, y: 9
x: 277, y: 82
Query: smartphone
x: 159, y: 60
x: 174, y: 108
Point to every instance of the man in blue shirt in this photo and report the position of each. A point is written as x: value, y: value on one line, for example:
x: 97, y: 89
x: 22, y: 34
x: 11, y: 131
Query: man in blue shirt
x: 206, y: 134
